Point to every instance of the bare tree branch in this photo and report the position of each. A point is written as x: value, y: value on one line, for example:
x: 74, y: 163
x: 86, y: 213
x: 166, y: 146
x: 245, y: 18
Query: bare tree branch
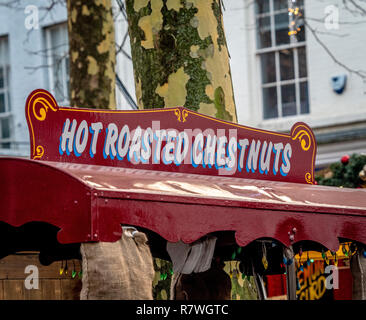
x: 359, y: 9
x: 360, y: 73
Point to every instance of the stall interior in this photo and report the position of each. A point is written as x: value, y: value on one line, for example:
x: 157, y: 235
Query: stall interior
x: 257, y: 270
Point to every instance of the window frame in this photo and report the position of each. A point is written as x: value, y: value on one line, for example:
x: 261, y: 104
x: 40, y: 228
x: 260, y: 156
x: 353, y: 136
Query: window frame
x: 51, y: 64
x: 294, y: 45
x: 6, y: 90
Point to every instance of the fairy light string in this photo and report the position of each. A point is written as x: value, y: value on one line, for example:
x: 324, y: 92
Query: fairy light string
x: 346, y: 251
x: 294, y: 18
x: 64, y: 270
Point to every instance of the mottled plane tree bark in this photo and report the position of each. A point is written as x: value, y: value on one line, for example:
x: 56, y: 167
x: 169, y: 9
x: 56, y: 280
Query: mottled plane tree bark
x: 92, y: 54
x: 180, y: 57
x: 106, y: 266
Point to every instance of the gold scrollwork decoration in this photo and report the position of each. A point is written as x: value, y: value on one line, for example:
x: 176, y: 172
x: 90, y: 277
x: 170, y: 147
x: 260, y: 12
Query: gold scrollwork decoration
x: 45, y: 105
x: 304, y: 138
x: 178, y: 114
x: 184, y: 115
x: 39, y: 152
x: 309, y: 178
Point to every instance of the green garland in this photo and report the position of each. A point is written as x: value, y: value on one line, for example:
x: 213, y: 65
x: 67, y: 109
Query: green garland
x: 345, y: 173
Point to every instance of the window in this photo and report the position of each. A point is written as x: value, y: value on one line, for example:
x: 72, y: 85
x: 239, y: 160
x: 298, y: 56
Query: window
x: 57, y: 48
x: 5, y: 107
x: 282, y: 55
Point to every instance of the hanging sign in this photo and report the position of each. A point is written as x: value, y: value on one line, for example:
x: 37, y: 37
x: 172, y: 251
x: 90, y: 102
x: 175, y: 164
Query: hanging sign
x: 171, y: 139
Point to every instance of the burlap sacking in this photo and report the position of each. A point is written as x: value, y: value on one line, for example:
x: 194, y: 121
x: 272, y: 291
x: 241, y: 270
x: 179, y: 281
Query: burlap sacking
x: 121, y: 270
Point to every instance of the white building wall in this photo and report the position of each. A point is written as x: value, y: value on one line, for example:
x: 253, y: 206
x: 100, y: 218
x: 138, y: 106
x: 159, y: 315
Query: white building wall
x: 327, y: 108
x: 337, y: 117
x: 124, y: 67
x: 240, y: 49
x: 347, y: 44
x: 26, y: 61
x: 239, y: 24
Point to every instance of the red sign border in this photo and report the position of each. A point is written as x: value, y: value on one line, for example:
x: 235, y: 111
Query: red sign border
x: 40, y: 101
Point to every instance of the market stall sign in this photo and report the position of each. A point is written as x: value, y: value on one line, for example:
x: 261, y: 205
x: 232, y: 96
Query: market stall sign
x: 312, y: 282
x: 172, y: 139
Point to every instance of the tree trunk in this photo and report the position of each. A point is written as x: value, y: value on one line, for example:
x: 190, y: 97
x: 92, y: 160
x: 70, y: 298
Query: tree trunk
x: 92, y: 85
x: 180, y: 56
x: 92, y: 54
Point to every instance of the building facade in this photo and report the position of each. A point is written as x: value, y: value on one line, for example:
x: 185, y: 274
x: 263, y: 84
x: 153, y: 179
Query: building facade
x: 281, y: 77
x: 34, y: 54
x: 291, y: 60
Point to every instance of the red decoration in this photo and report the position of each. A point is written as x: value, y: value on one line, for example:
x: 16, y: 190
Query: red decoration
x: 276, y: 285
x: 345, y: 159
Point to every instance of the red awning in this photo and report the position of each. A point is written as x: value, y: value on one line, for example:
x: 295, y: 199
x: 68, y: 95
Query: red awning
x: 89, y: 203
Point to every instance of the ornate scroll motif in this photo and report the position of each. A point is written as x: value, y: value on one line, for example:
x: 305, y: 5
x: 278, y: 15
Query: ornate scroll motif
x: 181, y: 115
x: 308, y: 178
x: 302, y: 133
x: 178, y: 114
x: 39, y: 152
x: 38, y: 104
x: 184, y: 115
x: 303, y: 136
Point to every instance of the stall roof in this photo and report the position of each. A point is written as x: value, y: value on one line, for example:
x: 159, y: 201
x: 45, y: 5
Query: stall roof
x: 88, y: 203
